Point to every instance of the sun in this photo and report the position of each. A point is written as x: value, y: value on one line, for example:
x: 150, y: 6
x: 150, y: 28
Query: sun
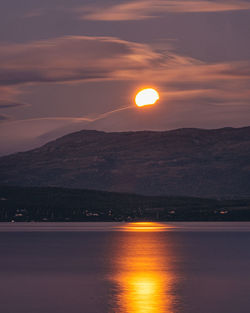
x: 146, y: 96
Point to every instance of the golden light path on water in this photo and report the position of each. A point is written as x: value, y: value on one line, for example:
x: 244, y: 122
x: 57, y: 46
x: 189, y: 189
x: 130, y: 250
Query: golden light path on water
x: 143, y: 265
x: 146, y: 226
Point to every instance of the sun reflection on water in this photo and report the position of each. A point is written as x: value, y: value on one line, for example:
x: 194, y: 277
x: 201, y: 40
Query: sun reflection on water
x: 144, y: 274
x: 146, y: 226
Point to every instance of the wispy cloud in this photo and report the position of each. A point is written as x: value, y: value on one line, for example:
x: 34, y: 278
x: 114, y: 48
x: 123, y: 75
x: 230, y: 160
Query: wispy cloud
x: 9, y: 97
x: 37, y: 131
x: 145, y: 9
x: 34, y: 13
x: 6, y: 104
x: 3, y: 117
x: 67, y: 60
x: 73, y: 59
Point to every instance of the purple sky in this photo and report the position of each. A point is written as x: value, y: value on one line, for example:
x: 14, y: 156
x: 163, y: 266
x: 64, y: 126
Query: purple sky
x: 71, y: 65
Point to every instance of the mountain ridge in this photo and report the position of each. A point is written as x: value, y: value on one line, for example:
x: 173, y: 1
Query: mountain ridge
x: 183, y: 162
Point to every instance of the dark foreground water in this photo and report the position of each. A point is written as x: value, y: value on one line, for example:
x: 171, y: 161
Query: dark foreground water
x: 125, y: 268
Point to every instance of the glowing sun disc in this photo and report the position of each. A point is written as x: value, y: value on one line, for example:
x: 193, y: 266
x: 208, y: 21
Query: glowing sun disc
x: 146, y: 96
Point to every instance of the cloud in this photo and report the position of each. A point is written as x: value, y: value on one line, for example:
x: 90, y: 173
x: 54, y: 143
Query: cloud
x: 6, y: 104
x: 9, y: 92
x: 72, y: 58
x: 81, y: 58
x: 25, y: 134
x: 9, y: 97
x: 145, y: 9
x: 3, y: 117
x: 34, y: 13
x: 67, y: 60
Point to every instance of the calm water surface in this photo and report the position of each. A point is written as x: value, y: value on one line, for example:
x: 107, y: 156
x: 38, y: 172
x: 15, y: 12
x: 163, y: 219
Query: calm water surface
x: 125, y: 268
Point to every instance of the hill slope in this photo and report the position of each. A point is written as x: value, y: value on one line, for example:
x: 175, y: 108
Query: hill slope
x: 192, y: 162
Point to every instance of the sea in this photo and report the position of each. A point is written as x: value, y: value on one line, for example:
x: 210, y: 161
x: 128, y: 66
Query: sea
x: 143, y: 267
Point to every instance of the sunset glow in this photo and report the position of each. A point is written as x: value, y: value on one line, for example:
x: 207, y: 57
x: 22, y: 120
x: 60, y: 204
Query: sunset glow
x: 146, y: 96
x: 144, y: 286
x: 146, y: 226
